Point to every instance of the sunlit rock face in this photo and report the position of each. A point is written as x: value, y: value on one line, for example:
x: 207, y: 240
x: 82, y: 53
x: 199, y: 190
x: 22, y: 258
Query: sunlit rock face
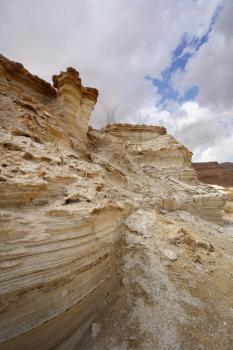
x: 228, y: 208
x: 70, y: 103
x: 219, y: 175
x: 59, y: 233
x: 73, y: 104
x: 154, y: 147
x: 17, y: 81
x: 75, y: 202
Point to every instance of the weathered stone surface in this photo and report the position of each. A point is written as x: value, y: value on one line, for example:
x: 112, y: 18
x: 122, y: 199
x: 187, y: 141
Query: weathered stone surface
x: 156, y: 148
x: 87, y: 214
x: 74, y: 103
x: 228, y: 207
x: 221, y: 176
x: 17, y: 81
x: 65, y: 107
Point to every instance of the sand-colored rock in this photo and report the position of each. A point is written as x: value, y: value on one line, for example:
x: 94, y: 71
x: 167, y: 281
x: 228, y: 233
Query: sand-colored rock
x: 65, y: 107
x: 74, y: 104
x: 228, y: 207
x: 156, y: 148
x: 220, y: 175
x: 110, y: 220
x: 17, y: 81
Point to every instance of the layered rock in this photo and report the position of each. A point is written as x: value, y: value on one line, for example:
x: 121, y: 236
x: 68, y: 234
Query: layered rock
x: 73, y: 104
x: 228, y: 207
x: 158, y: 157
x: 156, y: 148
x: 86, y: 214
x: 67, y: 104
x: 215, y: 173
x: 220, y: 175
x: 17, y: 81
x: 55, y: 272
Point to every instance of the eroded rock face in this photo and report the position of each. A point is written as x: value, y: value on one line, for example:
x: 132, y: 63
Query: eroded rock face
x: 68, y: 101
x: 74, y: 103
x: 221, y: 175
x: 18, y: 82
x: 88, y: 216
x: 215, y: 173
x: 154, y: 147
x: 171, y: 297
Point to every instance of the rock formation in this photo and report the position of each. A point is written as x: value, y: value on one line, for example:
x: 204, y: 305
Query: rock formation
x: 156, y: 148
x: 220, y: 174
x: 67, y: 99
x: 107, y: 228
x: 215, y: 173
x: 73, y: 104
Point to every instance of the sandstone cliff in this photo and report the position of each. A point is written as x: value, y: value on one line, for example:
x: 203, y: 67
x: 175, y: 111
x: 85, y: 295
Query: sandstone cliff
x: 112, y: 220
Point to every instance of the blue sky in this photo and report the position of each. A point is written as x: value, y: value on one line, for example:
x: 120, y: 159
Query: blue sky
x: 184, y: 48
x: 184, y: 51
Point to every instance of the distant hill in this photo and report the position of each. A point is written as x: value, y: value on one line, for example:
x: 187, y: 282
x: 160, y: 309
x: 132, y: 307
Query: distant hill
x: 215, y: 173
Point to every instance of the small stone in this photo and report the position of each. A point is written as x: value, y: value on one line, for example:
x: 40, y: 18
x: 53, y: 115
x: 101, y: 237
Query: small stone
x: 170, y: 254
x: 95, y: 329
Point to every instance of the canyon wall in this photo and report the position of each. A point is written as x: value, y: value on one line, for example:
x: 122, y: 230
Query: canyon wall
x: 154, y: 147
x: 67, y: 193
x: 59, y: 232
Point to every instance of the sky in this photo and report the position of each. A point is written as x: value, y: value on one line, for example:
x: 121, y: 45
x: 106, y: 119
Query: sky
x: 157, y: 62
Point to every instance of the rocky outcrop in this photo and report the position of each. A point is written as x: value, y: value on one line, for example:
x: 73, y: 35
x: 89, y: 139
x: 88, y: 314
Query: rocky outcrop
x: 102, y: 220
x: 215, y: 173
x: 73, y: 104
x: 157, y: 158
x: 156, y: 148
x: 221, y: 175
x: 18, y: 82
x: 68, y: 101
x: 170, y: 275
x: 56, y: 267
x: 228, y: 207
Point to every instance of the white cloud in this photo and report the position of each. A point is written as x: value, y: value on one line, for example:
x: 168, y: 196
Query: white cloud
x: 211, y: 69
x: 221, y: 151
x: 205, y: 132
x: 116, y: 43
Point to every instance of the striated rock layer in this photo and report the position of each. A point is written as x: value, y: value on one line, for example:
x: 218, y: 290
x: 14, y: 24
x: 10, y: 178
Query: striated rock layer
x: 215, y: 173
x: 68, y: 99
x: 220, y: 174
x: 153, y: 146
x: 88, y: 217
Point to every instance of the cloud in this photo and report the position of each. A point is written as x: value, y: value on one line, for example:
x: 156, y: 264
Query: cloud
x: 203, y: 131
x: 115, y: 44
x: 221, y: 151
x: 211, y: 68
